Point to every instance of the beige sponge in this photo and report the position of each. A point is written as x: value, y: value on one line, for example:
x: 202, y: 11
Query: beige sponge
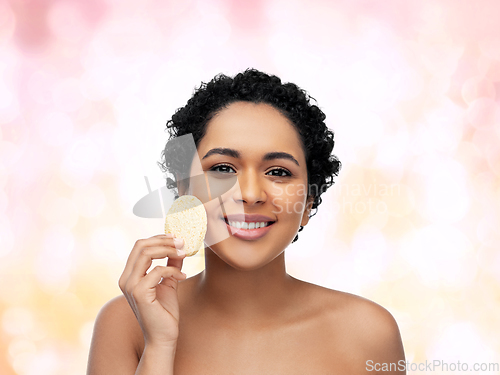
x: 187, y: 219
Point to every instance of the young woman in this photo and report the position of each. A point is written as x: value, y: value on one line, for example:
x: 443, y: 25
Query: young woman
x: 244, y: 314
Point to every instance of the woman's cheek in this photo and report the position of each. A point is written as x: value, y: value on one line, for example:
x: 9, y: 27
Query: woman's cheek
x: 277, y: 205
x: 216, y: 228
x: 278, y: 195
x: 276, y: 189
x: 295, y: 202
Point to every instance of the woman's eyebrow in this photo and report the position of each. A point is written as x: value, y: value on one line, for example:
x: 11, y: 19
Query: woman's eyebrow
x: 235, y: 154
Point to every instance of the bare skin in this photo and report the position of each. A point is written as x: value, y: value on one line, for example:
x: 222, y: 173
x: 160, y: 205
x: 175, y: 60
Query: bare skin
x: 244, y: 314
x: 325, y: 332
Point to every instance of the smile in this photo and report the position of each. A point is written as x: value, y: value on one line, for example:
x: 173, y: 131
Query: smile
x: 245, y: 225
x: 248, y: 230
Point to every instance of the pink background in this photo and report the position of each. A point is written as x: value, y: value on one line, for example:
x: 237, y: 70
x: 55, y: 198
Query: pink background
x: 411, y: 89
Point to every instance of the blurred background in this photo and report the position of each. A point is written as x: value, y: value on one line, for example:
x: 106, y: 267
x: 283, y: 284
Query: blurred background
x: 410, y: 88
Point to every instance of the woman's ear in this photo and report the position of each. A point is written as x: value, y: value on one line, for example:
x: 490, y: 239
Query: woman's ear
x: 307, y: 211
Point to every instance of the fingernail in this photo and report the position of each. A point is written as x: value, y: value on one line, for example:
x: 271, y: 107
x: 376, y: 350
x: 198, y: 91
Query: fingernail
x: 169, y: 235
x: 179, y: 243
x: 181, y: 252
x: 183, y: 273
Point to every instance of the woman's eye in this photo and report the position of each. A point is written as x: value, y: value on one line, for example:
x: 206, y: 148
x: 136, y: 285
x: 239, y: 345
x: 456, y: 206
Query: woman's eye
x: 280, y: 172
x: 225, y: 169
x: 221, y: 168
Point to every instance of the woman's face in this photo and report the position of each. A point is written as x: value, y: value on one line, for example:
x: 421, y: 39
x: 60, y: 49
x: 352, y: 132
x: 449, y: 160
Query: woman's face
x: 257, y: 150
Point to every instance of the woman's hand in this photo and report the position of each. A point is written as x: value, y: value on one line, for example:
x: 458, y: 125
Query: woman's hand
x: 153, y: 295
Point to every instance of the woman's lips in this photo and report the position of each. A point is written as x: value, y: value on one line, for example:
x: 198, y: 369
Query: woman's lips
x: 248, y: 234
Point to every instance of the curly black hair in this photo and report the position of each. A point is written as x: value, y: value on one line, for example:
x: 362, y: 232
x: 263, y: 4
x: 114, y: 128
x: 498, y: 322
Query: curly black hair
x: 257, y: 87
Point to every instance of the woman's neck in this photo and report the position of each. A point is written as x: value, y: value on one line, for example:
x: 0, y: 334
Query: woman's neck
x: 243, y: 294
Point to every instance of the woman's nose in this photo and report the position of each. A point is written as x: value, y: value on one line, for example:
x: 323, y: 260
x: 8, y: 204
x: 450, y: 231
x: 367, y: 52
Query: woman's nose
x: 250, y: 189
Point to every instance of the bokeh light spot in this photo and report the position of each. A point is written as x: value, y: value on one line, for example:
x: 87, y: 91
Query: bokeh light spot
x: 55, y: 128
x: 18, y: 321
x: 66, y: 21
x: 483, y: 112
x: 54, y: 261
x: 477, y: 87
x: 89, y: 200
x: 67, y: 95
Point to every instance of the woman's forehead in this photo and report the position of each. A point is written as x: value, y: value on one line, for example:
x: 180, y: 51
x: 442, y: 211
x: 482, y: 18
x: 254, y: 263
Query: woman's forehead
x: 252, y: 129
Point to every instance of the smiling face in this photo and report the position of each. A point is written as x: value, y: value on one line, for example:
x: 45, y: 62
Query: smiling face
x: 258, y: 148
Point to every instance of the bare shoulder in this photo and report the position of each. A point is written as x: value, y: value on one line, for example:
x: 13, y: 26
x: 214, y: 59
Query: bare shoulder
x: 370, y: 317
x: 117, y: 306
x: 115, y: 340
x: 357, y: 327
x: 119, y: 309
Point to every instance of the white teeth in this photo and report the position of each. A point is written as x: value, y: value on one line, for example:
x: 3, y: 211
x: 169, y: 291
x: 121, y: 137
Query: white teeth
x: 244, y: 225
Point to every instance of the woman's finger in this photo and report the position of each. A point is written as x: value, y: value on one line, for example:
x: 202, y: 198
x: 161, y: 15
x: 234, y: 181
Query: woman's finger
x: 158, y: 252
x: 153, y: 278
x: 171, y: 248
x: 175, y: 262
x: 139, y: 244
x: 160, y: 240
x: 145, y: 259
